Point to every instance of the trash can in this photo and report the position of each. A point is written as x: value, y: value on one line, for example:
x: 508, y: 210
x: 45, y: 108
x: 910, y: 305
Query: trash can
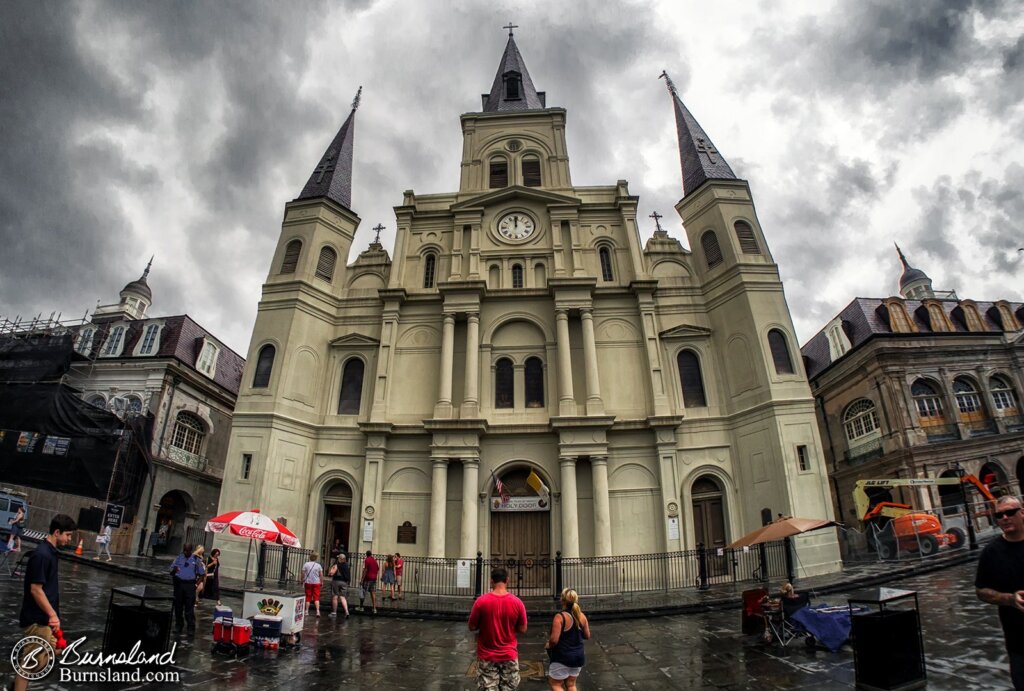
x: 888, y: 650
x: 138, y: 614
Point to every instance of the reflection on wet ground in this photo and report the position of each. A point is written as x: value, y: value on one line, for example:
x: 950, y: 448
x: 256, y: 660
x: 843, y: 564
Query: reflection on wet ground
x: 962, y: 638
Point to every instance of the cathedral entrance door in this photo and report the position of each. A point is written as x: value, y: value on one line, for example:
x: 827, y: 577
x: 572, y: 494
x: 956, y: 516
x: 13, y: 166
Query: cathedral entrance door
x: 709, y: 523
x: 521, y: 542
x: 337, y: 517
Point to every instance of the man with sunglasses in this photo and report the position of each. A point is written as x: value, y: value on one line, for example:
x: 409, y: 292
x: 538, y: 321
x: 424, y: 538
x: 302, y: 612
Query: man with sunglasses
x: 1000, y: 581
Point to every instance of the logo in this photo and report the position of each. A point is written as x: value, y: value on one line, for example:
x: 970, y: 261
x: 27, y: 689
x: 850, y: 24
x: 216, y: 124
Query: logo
x: 252, y: 532
x: 26, y: 658
x: 269, y: 606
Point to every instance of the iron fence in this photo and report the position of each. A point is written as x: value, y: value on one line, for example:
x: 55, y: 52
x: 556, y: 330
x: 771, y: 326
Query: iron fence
x: 609, y: 579
x: 196, y: 535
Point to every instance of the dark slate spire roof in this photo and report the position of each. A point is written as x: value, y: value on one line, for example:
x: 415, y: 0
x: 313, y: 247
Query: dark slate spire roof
x: 699, y: 157
x: 139, y: 286
x: 909, y: 272
x: 332, y: 178
x: 529, y: 97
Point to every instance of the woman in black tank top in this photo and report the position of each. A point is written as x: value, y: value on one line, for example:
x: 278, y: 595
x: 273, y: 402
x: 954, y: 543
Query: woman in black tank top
x: 569, y: 629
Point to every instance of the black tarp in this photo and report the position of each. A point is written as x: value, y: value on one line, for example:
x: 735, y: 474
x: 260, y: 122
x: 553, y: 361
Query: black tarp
x: 55, y: 441
x: 35, y: 357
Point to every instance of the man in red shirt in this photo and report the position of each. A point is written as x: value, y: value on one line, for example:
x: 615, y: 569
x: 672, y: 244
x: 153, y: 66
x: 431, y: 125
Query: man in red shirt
x: 497, y: 617
x: 369, y: 582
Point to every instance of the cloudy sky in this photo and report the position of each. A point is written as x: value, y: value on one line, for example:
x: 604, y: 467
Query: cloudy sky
x: 181, y: 129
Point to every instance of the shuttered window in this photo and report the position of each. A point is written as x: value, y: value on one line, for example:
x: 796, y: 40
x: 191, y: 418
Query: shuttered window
x: 745, y: 236
x: 605, y: 255
x: 712, y: 252
x: 499, y: 173
x: 780, y: 352
x: 429, y: 270
x: 531, y: 172
x: 325, y: 265
x: 264, y: 366
x: 517, y: 276
x: 691, y: 380
x: 291, y: 257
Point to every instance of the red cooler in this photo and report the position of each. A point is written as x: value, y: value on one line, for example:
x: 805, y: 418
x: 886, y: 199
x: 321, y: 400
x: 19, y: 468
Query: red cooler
x: 241, y: 631
x: 222, y: 630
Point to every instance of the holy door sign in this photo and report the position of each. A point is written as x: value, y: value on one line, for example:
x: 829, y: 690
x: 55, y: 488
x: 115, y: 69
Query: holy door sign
x: 519, y: 504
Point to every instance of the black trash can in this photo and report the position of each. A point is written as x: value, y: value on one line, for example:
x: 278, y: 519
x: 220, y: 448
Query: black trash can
x: 888, y: 649
x: 138, y: 614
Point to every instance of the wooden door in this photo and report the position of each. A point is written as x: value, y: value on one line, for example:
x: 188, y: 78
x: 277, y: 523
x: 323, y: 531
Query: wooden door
x: 709, y: 528
x: 521, y: 542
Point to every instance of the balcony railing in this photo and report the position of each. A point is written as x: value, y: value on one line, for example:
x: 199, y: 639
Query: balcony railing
x: 187, y: 459
x: 936, y: 433
x: 862, y: 453
x: 979, y: 428
x: 1014, y: 423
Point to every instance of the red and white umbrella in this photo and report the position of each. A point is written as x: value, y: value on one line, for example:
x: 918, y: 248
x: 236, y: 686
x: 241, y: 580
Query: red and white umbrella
x: 253, y: 525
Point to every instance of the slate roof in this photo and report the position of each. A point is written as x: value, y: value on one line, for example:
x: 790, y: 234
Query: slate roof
x: 530, y: 98
x: 865, y: 318
x: 139, y: 285
x: 698, y: 156
x: 181, y: 338
x: 332, y: 177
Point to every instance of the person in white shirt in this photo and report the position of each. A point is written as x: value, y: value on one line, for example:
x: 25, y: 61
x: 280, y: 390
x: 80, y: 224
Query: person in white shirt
x: 103, y: 542
x: 312, y: 578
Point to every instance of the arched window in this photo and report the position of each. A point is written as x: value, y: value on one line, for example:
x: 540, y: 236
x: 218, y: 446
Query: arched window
x: 605, y: 256
x: 504, y: 384
x: 188, y: 433
x: 517, y: 275
x: 1003, y: 395
x: 967, y: 398
x: 534, y: 383
x: 512, y: 84
x: 114, y: 341
x: 291, y: 257
x: 429, y: 270
x: 84, y: 345
x: 351, y: 387
x: 494, y: 277
x: 499, y: 173
x: 97, y: 400
x: 860, y: 419
x: 149, y: 339
x: 745, y: 236
x: 780, y: 352
x: 264, y: 366
x: 927, y: 400
x: 531, y: 171
x: 712, y: 252
x: 691, y: 380
x: 325, y: 265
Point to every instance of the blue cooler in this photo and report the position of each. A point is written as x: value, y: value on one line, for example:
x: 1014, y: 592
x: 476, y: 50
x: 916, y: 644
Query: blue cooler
x: 266, y: 627
x: 220, y: 612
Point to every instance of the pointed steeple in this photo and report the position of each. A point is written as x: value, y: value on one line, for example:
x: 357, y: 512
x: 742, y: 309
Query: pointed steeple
x: 332, y: 178
x: 699, y: 158
x: 139, y: 286
x: 512, y: 89
x: 914, y: 283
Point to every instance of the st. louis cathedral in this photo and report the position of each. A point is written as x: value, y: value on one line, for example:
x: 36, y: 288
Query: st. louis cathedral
x: 520, y: 326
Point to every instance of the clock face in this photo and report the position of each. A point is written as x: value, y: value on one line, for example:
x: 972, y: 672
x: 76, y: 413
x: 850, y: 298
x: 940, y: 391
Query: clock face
x: 516, y: 226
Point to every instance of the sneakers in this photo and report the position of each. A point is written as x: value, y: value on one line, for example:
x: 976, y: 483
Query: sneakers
x: 374, y: 610
x: 333, y: 614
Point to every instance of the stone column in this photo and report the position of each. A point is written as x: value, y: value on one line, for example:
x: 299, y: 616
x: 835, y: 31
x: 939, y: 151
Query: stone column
x: 471, y: 402
x: 595, y: 406
x: 438, y: 505
x: 470, y: 530
x: 566, y: 400
x: 570, y: 517
x: 602, y: 509
x: 444, y: 393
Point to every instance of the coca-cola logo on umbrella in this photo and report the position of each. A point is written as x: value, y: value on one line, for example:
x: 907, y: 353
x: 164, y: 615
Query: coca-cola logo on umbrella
x: 252, y: 532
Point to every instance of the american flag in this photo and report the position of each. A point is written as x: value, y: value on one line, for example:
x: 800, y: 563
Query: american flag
x: 499, y: 487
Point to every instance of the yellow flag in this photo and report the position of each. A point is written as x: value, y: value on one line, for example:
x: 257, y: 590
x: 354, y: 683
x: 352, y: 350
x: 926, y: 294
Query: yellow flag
x: 538, y: 485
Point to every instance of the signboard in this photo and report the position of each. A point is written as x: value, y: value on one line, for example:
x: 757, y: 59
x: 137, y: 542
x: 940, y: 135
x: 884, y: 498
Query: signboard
x: 462, y: 574
x: 673, y: 528
x: 407, y: 533
x: 519, y: 504
x: 368, y: 531
x: 114, y: 515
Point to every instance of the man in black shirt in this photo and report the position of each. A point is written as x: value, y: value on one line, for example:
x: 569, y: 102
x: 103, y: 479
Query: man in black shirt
x: 40, y: 605
x: 1000, y: 581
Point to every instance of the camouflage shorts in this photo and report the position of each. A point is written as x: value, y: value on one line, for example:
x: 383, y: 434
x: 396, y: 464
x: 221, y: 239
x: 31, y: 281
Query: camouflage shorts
x: 497, y: 676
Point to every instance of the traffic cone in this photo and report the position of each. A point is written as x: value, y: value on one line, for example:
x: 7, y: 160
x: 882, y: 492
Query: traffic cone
x: 78, y: 550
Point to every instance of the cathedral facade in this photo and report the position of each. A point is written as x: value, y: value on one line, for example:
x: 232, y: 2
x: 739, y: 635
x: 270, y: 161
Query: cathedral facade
x: 521, y: 329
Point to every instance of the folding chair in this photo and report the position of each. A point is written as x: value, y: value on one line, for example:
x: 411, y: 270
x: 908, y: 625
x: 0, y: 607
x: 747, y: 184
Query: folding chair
x: 779, y: 626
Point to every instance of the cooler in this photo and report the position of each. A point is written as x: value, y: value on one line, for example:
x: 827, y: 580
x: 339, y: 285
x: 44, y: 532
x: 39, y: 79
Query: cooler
x: 266, y: 626
x: 221, y: 611
x: 241, y: 632
x: 290, y: 607
x: 222, y: 630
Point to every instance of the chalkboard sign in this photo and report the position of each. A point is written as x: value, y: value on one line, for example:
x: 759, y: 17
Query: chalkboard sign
x: 114, y: 515
x: 407, y: 533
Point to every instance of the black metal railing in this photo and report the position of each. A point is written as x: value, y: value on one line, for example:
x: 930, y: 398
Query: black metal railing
x: 610, y: 579
x: 864, y: 452
x: 979, y: 428
x: 936, y: 433
x: 196, y: 535
x: 1014, y: 423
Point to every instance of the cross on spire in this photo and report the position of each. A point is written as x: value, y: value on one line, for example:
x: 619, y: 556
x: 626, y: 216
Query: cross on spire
x: 326, y: 166
x: 355, y: 101
x: 379, y: 227
x: 707, y: 148
x: 510, y: 26
x: 668, y: 82
x: 657, y: 217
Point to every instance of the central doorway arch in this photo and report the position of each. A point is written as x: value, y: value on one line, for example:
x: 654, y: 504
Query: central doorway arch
x: 521, y: 534
x: 709, y: 521
x: 337, y: 517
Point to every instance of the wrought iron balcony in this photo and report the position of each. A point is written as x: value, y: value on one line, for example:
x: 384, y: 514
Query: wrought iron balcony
x: 980, y: 428
x: 187, y: 459
x: 1014, y: 423
x: 862, y: 453
x: 938, y: 433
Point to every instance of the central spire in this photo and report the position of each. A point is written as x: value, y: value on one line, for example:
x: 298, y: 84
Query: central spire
x: 332, y: 178
x: 700, y: 160
x: 512, y: 89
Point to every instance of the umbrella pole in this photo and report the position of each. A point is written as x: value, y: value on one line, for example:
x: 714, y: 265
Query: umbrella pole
x: 245, y: 580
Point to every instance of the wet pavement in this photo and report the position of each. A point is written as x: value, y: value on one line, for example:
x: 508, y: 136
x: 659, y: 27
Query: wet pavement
x: 962, y: 640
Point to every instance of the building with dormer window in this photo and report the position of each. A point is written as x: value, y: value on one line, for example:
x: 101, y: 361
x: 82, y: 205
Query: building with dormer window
x: 519, y: 325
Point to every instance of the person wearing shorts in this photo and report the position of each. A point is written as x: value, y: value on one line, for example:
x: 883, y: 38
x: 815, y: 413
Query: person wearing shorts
x: 312, y: 578
x: 565, y: 642
x: 399, y: 567
x: 341, y: 577
x: 368, y: 584
x: 497, y: 618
